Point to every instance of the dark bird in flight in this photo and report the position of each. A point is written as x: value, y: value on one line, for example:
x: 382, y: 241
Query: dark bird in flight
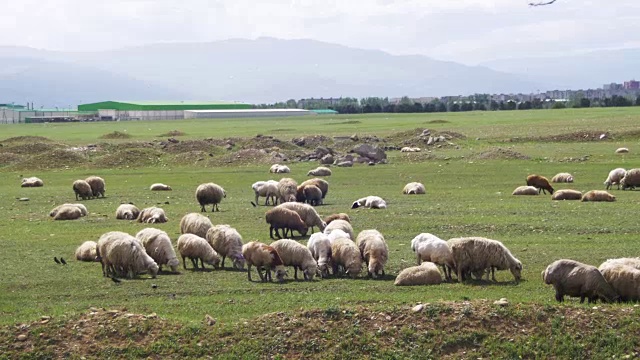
x: 116, y: 280
x: 56, y: 260
x: 62, y: 261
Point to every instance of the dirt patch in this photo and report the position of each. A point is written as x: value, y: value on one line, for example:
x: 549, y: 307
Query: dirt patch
x: 578, y: 136
x: 22, y: 139
x: 438, y: 121
x: 116, y: 135
x: 10, y: 158
x: 348, y: 122
x: 500, y: 154
x: 191, y: 157
x: 129, y: 158
x: 173, y: 133
x: 312, y: 141
x: 56, y: 159
x: 31, y: 149
x: 189, y: 146
x: 451, y: 134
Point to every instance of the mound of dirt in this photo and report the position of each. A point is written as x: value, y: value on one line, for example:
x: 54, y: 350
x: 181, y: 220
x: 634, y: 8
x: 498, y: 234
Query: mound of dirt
x: 56, y: 159
x: 500, y: 153
x: 116, y: 135
x: 247, y: 156
x: 10, y: 158
x: 129, y: 158
x: 312, y: 141
x: 31, y: 149
x: 28, y: 139
x: 191, y: 157
x: 189, y: 146
x: 173, y: 133
x: 578, y: 136
x: 437, y: 121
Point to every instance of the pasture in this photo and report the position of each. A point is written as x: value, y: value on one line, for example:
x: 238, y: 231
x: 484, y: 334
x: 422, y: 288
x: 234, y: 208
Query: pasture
x: 468, y: 194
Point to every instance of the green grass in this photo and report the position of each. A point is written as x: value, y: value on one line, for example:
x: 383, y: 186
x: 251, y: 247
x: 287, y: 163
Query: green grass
x: 466, y: 196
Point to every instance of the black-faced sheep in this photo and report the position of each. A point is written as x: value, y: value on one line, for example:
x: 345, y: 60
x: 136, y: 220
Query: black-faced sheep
x: 525, y: 190
x: 370, y: 202
x: 196, y: 224
x: 345, y: 255
x: 414, y: 188
x: 576, y: 279
x: 598, y: 195
x: 562, y: 178
x: 82, y: 189
x: 32, y: 182
x: 226, y: 241
x: 424, y: 274
x: 157, y: 244
x: 374, y: 250
x: 127, y: 212
x: 307, y: 213
x: 196, y: 248
x: 210, y: 194
x: 83, y: 209
x: 567, y: 194
x: 97, y: 185
x: 285, y: 219
x: 340, y: 216
x: 320, y: 248
x: 631, y: 179
x: 614, y: 178
x: 160, y: 187
x: 152, y: 215
x: 431, y: 248
x: 263, y: 257
x: 87, y: 251
x: 297, y: 255
x: 478, y: 254
x: 320, y: 171
x: 540, y: 182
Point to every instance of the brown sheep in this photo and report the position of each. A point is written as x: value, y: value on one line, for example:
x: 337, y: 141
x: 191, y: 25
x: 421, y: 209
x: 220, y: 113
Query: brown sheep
x: 540, y: 182
x: 339, y: 216
x: 598, y: 195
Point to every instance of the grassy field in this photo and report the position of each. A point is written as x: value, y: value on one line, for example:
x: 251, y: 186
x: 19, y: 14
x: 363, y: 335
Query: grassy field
x: 468, y: 194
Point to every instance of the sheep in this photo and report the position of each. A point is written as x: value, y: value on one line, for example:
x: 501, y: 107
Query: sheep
x: 633, y: 262
x: 287, y: 189
x: 576, y: 279
x: 97, y: 185
x: 370, y: 202
x: 227, y: 241
x: 160, y: 187
x: 622, y: 150
x: 344, y: 163
x: 414, y: 188
x: 279, y: 169
x: 267, y: 189
x: 525, y: 190
x: 104, y: 242
x: 342, y: 225
x: 631, y: 179
x: 323, y: 185
x: 83, y: 209
x: 614, y: 178
x: 196, y: 224
x: 286, y: 219
x: 157, y: 244
x: 152, y: 215
x: 624, y: 279
x: 562, y: 178
x: 210, y: 194
x: 297, y: 255
x: 83, y: 189
x: 127, y: 212
x: 87, y: 251
x: 126, y: 257
x: 431, y: 248
x: 263, y: 257
x: 31, y: 182
x: 307, y: 213
x: 410, y: 149
x: 426, y: 273
x: 196, y: 248
x: 540, y: 182
x: 477, y: 254
x: 338, y: 234
x: 340, y: 216
x: 567, y: 194
x: 320, y: 248
x: 274, y: 168
x: 374, y: 250
x: 67, y: 212
x: 313, y: 195
x: 598, y: 195
x: 345, y: 254
x: 320, y: 171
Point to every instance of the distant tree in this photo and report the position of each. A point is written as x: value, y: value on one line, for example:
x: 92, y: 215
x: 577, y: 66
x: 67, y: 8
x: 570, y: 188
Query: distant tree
x: 454, y: 107
x: 466, y: 106
x: 558, y: 105
x: 537, y: 104
x: 417, y: 107
x: 494, y: 105
x: 638, y: 101
x: 510, y: 105
x: 430, y: 107
x: 405, y: 105
x: 389, y: 108
x: 291, y: 104
x: 525, y: 105
x: 585, y: 103
x: 479, y: 106
x: 441, y: 107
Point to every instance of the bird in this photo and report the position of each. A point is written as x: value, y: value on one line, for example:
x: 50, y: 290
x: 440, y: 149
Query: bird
x: 116, y: 280
x: 62, y: 261
x: 56, y: 260
x: 154, y: 286
x: 254, y: 205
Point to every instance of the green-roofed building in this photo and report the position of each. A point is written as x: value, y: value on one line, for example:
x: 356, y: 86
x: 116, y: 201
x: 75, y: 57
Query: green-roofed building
x: 155, y: 110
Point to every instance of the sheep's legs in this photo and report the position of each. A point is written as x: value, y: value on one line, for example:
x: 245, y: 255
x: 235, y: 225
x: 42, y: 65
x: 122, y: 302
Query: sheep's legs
x: 202, y: 208
x: 184, y: 263
x: 295, y: 272
x: 223, y: 257
x: 249, y: 271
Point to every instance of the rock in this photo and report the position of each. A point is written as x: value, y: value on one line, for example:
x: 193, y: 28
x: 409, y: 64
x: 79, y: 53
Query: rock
x: 430, y: 140
x: 298, y: 142
x: 622, y: 151
x: 345, y: 164
x: 22, y: 337
x: 23, y: 199
x: 209, y: 320
x: 372, y: 152
x: 327, y: 159
x: 173, y: 140
x: 603, y: 136
x: 501, y: 302
x: 425, y: 133
x: 322, y: 151
x: 354, y: 137
x: 228, y: 147
x: 417, y: 308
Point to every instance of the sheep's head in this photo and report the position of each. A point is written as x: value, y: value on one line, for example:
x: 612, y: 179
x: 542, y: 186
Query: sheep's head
x: 153, y: 270
x: 238, y: 262
x: 214, y: 262
x: 303, y: 230
x: 354, y: 269
x: 516, y: 270
x: 355, y: 205
x: 280, y: 274
x: 224, y: 194
x: 323, y: 271
x: 375, y: 268
x: 309, y: 273
x: 173, y: 263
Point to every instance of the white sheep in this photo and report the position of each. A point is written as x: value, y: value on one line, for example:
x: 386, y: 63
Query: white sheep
x: 82, y: 208
x: 633, y: 262
x: 614, y: 177
x: 340, y: 216
x: 567, y: 194
x: 127, y: 257
x: 342, y: 225
x: 194, y: 223
x: 562, y: 177
x: 525, y: 190
x: 424, y: 274
x: 307, y: 213
x: 87, y: 251
x: 624, y: 279
x: 431, y: 248
x: 320, y: 171
x: 410, y: 149
x: 157, y: 244
x: 267, y: 189
x: 97, y: 185
x: 320, y: 248
x: 67, y: 212
x: 312, y: 195
x: 82, y: 189
x: 210, y: 194
x: 346, y: 255
x: 478, y: 254
x: 338, y: 234
x: 152, y: 215
x: 127, y: 212
x: 622, y: 150
x: 287, y: 189
x: 631, y: 179
x: 279, y: 169
x: 32, y: 182
x: 370, y: 202
x: 104, y: 242
x: 160, y: 187
x: 227, y: 241
x: 292, y: 253
x: 263, y: 257
x: 285, y: 219
x: 322, y: 184
x: 576, y: 279
x: 598, y: 195
x: 374, y: 250
x: 414, y: 188
x: 196, y: 248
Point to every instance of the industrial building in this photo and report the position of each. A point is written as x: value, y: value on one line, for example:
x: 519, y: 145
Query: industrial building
x: 248, y: 113
x: 14, y: 114
x: 153, y: 110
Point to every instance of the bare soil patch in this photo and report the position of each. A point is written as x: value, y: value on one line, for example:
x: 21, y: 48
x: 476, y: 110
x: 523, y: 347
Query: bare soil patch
x: 578, y: 136
x: 27, y: 139
x: 116, y: 135
x: 173, y: 133
x: 129, y: 158
x: 9, y: 158
x: 500, y: 153
x: 437, y: 121
x: 56, y: 159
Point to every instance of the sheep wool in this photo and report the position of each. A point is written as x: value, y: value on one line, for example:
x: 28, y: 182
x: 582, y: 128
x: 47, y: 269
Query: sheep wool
x: 424, y: 274
x: 430, y: 248
x: 614, y: 178
x: 414, y: 188
x: 346, y: 255
x: 267, y: 189
x: 279, y: 169
x: 307, y: 213
x: 127, y: 258
x: 196, y: 224
x: 370, y: 202
x: 210, y: 194
x: 196, y: 248
x: 562, y: 178
x: 97, y: 185
x: 104, y: 243
x: 68, y: 212
x: 87, y: 251
x: 624, y: 279
x: 320, y: 171
x: 127, y: 212
x: 287, y: 188
x: 157, y: 244
x: 152, y: 215
x: 576, y: 279
x: 322, y: 184
x: 339, y: 216
x: 227, y: 241
x: 31, y: 182
x: 598, y: 195
x: 633, y: 262
x: 540, y: 182
x: 82, y: 208
x: 342, y: 225
x: 622, y: 150
x: 285, y: 219
x: 160, y: 187
x: 374, y: 250
x: 82, y: 189
x: 312, y: 195
x: 297, y: 255
x: 320, y: 248
x: 263, y: 257
x: 567, y: 194
x: 478, y: 254
x: 525, y: 190
x: 631, y: 179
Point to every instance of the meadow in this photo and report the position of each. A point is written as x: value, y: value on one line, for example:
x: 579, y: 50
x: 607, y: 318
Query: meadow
x: 468, y: 194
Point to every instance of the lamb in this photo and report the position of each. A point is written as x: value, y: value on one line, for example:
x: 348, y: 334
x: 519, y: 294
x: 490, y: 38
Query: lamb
x: 345, y: 254
x: 97, y: 185
x: 196, y: 224
x: 320, y: 248
x: 477, y: 254
x: 624, y: 279
x: 307, y: 213
x: 127, y: 212
x: 160, y: 187
x: 67, y: 212
x: 210, y: 194
x: 614, y: 178
x: 152, y: 215
x: 540, y: 182
x: 263, y: 257
x: 374, y: 251
x: 370, y: 202
x: 83, y: 209
x: 87, y: 251
x: 323, y: 185
x: 196, y: 248
x: 320, y: 171
x: 104, y: 242
x: 567, y: 194
x: 562, y: 178
x: 267, y: 189
x: 424, y: 274
x: 226, y: 241
x: 631, y: 179
x: 31, y: 182
x: 288, y: 220
x: 287, y: 188
x: 83, y: 189
x: 342, y: 225
x: 414, y: 188
x: 598, y: 195
x: 431, y: 248
x: 339, y: 216
x: 127, y: 257
x: 157, y: 244
x: 313, y: 195
x: 297, y: 255
x: 576, y: 279
x: 525, y: 190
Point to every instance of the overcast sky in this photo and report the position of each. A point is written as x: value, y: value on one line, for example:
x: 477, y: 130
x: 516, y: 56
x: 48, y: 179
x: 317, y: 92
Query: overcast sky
x: 467, y: 31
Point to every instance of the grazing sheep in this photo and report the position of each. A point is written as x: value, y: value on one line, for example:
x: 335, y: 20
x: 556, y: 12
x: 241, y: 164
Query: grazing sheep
x: 525, y: 190
x: 631, y: 179
x: 614, y: 177
x: 267, y: 189
x: 622, y: 150
x: 307, y: 213
x: 263, y: 257
x: 342, y: 225
x: 370, y: 202
x: 633, y: 262
x: 374, y: 250
x: 414, y: 188
x: 426, y: 273
x: 87, y: 251
x: 320, y: 248
x: 477, y: 254
x: 624, y: 279
x: 410, y: 149
x: 97, y: 185
x: 83, y: 189
x: 540, y: 182
x: 598, y: 195
x: 320, y: 171
x: 323, y: 185
x: 339, y: 216
x: 431, y: 248
x: 196, y: 224
x: 104, y: 242
x: 313, y: 195
x: 338, y: 234
x: 83, y: 209
x: 576, y: 279
x: 562, y: 178
x: 226, y: 241
x: 32, y: 182
x: 567, y: 194
x: 196, y: 248
x: 67, y: 212
x: 297, y: 255
x: 160, y: 187
x: 157, y: 244
x: 210, y: 194
x: 127, y: 212
x: 287, y: 188
x: 346, y: 255
x: 126, y: 257
x: 285, y: 219
x: 152, y: 215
